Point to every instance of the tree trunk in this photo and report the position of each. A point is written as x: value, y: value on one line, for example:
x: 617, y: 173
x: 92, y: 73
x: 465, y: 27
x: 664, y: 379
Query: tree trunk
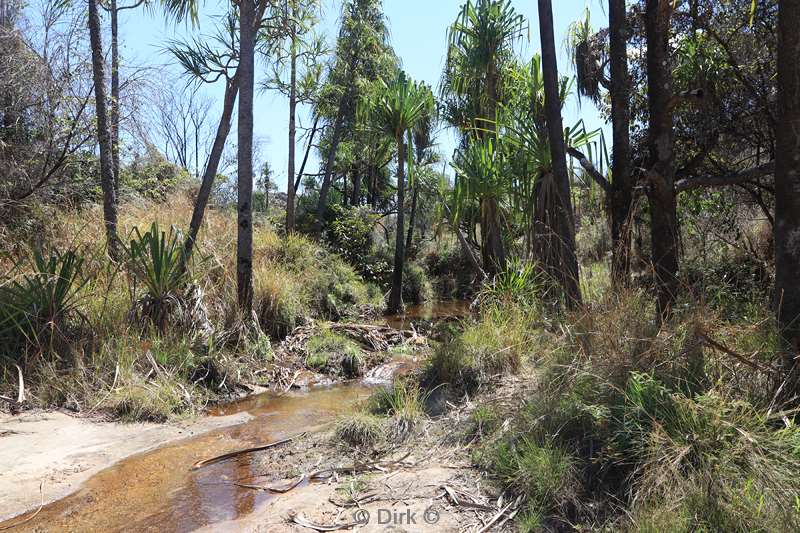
x: 565, y: 229
x: 622, y: 184
x: 492, y: 248
x: 322, y: 204
x: 355, y: 199
x: 660, y: 192
x: 223, y: 129
x: 292, y: 128
x: 787, y: 181
x: 413, y: 217
x: 103, y: 134
x: 244, y: 241
x: 115, y: 93
x: 396, y: 295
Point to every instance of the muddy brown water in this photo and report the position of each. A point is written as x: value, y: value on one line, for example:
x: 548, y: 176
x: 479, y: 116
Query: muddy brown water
x: 430, y: 312
x: 158, y: 490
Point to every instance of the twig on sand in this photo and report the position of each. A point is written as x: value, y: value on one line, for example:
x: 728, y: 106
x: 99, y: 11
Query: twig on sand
x: 279, y: 490
x: 225, y: 457
x: 31, y: 517
x: 301, y: 520
x: 495, y: 518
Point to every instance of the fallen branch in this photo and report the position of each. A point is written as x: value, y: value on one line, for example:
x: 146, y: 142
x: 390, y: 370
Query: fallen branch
x: 21, y: 393
x: 495, y: 518
x: 741, y: 358
x: 224, y: 457
x: 301, y: 520
x: 277, y: 490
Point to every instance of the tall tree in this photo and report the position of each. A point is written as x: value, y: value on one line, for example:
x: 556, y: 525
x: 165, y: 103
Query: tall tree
x: 294, y: 50
x: 362, y: 57
x: 565, y: 221
x: 107, y: 178
x: 787, y: 180
x: 244, y: 226
x: 622, y: 179
x: 480, y: 49
x: 661, y: 172
x: 396, y: 111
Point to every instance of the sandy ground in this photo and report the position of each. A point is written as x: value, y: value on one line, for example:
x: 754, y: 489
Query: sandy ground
x: 59, y: 452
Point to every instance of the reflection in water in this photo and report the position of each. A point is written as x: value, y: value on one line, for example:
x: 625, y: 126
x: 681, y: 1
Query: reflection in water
x: 428, y: 313
x: 156, y: 491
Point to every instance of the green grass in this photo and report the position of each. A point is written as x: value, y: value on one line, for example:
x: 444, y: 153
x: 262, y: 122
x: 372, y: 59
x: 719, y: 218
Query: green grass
x: 404, y: 403
x: 360, y: 429
x: 335, y: 354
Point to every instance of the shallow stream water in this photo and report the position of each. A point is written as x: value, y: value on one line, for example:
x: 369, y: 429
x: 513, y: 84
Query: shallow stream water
x: 158, y: 491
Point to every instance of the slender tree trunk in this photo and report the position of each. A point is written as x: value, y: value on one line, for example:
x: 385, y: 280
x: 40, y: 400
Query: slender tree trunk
x: 292, y: 127
x: 396, y: 295
x: 355, y: 198
x: 492, y: 247
x: 115, y: 93
x: 787, y: 182
x: 661, y: 191
x: 564, y: 217
x: 103, y: 133
x: 305, y: 157
x: 322, y: 204
x: 223, y: 129
x: 412, y: 219
x: 622, y: 183
x: 244, y: 242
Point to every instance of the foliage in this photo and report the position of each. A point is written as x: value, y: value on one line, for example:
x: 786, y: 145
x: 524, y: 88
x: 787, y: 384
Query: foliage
x: 404, y: 402
x: 329, y: 352
x: 157, y: 261
x: 38, y: 298
x: 417, y: 288
x: 520, y: 284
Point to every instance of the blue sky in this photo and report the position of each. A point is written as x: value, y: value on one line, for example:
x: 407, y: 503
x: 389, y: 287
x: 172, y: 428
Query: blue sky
x: 418, y: 34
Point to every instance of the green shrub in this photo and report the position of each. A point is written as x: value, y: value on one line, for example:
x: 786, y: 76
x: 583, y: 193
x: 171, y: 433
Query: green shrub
x: 156, y: 260
x: 542, y: 473
x: 492, y: 345
x: 279, y: 301
x: 39, y: 298
x: 520, y: 284
x: 404, y: 402
x: 328, y: 351
x: 417, y: 287
x: 360, y: 429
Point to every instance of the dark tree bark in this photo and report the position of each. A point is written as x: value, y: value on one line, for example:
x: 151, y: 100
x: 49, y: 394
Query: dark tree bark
x: 412, y: 219
x: 787, y: 182
x: 661, y: 174
x: 103, y: 133
x: 223, y: 129
x: 244, y: 241
x: 322, y: 204
x: 396, y: 295
x: 115, y: 92
x: 622, y: 181
x: 355, y: 197
x: 493, y: 251
x: 290, y: 190
x: 565, y: 229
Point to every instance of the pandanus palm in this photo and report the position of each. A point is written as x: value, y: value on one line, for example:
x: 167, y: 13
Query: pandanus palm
x: 394, y: 111
x: 481, y: 48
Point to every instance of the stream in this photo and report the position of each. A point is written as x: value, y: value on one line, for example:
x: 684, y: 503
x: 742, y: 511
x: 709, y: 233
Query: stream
x: 158, y: 491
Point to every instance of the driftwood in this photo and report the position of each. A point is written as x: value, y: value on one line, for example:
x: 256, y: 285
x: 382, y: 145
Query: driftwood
x: 231, y: 455
x: 277, y: 490
x: 371, y: 337
x: 301, y: 520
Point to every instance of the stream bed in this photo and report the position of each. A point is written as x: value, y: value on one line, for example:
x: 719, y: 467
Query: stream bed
x: 158, y: 490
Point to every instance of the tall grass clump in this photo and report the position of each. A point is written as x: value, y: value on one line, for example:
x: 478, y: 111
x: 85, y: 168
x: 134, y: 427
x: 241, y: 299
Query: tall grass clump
x: 661, y: 429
